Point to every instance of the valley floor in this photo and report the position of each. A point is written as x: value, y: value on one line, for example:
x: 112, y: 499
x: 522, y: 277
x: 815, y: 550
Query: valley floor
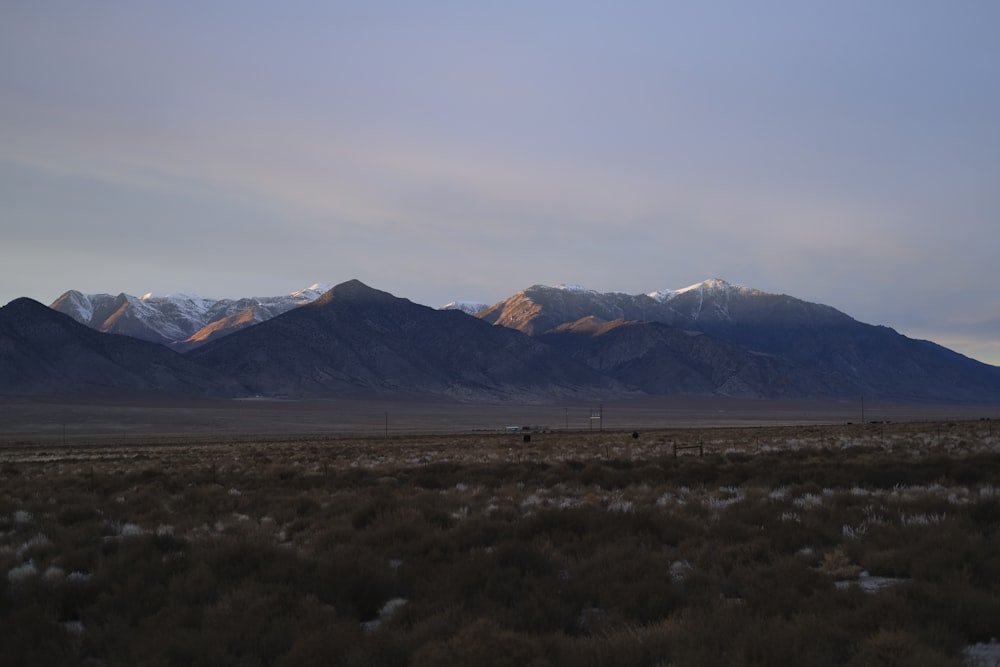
x: 785, y: 541
x: 143, y: 418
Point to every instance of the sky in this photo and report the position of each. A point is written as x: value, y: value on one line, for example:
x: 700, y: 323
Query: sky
x: 845, y: 152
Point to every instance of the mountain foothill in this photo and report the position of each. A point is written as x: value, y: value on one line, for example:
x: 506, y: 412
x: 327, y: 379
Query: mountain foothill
x: 542, y: 344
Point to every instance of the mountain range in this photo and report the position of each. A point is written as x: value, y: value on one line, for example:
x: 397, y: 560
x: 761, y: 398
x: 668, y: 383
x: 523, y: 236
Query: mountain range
x: 718, y: 338
x: 358, y: 339
x: 181, y: 321
x: 543, y: 343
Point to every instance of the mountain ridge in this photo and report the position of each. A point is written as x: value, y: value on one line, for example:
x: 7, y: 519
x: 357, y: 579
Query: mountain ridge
x: 180, y: 321
x: 822, y: 347
x: 357, y: 338
x: 710, y: 338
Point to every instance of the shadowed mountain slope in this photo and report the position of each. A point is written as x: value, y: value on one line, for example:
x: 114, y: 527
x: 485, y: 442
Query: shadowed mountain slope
x: 45, y: 352
x: 660, y: 359
x: 356, y: 339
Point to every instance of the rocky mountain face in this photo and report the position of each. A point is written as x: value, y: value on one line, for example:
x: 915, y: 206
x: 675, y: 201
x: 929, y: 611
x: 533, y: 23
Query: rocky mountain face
x: 755, y: 343
x: 713, y: 306
x: 180, y: 321
x: 45, y: 352
x: 355, y: 339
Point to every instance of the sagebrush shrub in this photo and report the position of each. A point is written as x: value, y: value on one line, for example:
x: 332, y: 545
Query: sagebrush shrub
x: 578, y: 550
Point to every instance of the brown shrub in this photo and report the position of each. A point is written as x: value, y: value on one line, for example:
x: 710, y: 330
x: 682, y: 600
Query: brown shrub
x: 485, y: 644
x: 887, y: 648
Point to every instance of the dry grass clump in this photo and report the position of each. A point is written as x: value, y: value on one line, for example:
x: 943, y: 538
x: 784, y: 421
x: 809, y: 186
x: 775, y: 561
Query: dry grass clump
x: 846, y: 547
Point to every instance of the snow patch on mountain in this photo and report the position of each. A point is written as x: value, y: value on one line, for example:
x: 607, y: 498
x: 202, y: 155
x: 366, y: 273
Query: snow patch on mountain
x: 311, y: 293
x: 79, y: 303
x: 468, y: 307
x: 571, y: 287
x: 713, y: 286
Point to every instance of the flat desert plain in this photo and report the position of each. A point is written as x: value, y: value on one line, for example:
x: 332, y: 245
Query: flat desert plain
x: 407, y: 532
x: 123, y: 418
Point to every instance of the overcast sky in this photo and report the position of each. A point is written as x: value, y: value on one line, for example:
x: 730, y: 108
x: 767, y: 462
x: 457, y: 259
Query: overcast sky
x: 844, y: 152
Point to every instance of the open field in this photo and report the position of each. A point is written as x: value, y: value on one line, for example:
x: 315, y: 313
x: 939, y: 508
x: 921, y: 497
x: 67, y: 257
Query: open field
x: 779, y: 539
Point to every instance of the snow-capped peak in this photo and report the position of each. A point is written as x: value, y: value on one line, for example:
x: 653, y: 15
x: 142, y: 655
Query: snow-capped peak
x: 312, y: 292
x: 710, y: 285
x: 78, y: 303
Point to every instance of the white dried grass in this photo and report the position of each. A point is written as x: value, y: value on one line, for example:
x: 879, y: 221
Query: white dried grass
x: 21, y: 573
